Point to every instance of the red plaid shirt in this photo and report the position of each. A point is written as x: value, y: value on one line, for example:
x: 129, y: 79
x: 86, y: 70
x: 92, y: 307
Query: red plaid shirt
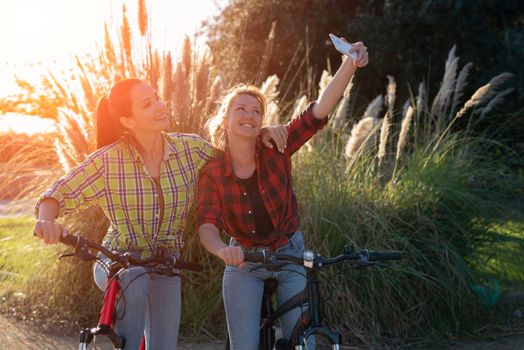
x: 224, y: 202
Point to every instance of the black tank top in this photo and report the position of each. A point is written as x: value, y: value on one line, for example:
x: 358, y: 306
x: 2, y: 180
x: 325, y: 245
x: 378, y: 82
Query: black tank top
x: 263, y: 224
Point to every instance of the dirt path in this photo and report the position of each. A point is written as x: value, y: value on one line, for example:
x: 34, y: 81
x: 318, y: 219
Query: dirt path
x: 22, y: 337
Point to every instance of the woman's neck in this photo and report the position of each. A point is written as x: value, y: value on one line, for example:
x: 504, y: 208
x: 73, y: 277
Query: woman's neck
x: 242, y: 153
x: 149, y: 145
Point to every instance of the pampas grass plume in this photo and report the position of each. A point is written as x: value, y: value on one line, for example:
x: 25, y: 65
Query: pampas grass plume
x: 359, y: 133
x: 404, y: 130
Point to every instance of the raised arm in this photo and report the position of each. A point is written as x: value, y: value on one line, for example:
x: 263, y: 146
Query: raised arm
x: 335, y: 89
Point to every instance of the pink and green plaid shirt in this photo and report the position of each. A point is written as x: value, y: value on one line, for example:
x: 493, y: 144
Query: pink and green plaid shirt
x: 115, y: 178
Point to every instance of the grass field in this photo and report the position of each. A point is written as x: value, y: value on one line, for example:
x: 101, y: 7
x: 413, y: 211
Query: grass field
x: 22, y: 256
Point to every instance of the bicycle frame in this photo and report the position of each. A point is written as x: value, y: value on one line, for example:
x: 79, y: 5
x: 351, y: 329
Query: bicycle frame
x: 164, y: 265
x: 106, y: 320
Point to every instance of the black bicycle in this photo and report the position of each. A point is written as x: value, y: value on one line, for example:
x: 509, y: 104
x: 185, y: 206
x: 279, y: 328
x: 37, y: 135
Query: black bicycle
x: 310, y: 322
x: 166, y: 265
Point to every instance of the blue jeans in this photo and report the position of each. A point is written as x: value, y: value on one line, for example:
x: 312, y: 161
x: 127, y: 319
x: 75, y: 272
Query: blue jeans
x: 150, y: 306
x: 243, y: 288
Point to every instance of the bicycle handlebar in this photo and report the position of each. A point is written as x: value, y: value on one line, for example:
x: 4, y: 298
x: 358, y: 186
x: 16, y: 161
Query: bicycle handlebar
x: 382, y: 256
x: 82, y: 246
x: 310, y: 260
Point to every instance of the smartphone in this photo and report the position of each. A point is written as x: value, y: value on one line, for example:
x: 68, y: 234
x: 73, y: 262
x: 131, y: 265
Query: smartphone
x: 342, y: 46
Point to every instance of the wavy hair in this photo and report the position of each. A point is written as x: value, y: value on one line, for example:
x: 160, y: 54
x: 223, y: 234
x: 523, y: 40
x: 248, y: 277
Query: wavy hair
x: 215, y: 124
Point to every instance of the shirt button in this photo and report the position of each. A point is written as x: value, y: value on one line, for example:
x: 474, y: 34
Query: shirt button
x: 253, y: 231
x: 245, y: 194
x: 249, y: 212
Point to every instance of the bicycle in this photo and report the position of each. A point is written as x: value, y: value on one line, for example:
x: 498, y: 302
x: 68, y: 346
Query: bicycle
x: 163, y: 265
x: 310, y: 322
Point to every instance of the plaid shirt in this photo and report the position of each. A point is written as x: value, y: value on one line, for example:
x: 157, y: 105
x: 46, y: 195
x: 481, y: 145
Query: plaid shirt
x: 115, y: 178
x: 223, y: 200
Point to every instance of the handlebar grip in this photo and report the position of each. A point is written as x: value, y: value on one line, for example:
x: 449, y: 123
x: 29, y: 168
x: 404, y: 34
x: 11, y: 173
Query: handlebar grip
x: 70, y: 240
x: 256, y: 257
x: 379, y: 256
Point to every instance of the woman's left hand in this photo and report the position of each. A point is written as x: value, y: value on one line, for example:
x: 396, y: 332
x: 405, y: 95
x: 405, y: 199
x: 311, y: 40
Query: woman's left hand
x: 362, y: 54
x: 277, y: 134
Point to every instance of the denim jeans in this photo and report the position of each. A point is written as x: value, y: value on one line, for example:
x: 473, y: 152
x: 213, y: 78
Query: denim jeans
x: 150, y: 306
x: 243, y: 288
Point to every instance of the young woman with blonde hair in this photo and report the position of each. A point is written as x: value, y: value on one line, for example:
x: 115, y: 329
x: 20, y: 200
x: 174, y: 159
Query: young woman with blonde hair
x: 247, y: 192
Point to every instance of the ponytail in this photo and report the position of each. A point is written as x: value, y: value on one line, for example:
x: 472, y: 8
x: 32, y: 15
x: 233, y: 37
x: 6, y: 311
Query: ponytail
x: 110, y: 109
x: 106, y: 132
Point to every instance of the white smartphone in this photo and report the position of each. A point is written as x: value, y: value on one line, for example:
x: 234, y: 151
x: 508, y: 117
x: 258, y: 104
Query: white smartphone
x: 342, y: 46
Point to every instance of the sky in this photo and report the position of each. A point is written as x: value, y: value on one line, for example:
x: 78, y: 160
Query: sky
x: 41, y: 35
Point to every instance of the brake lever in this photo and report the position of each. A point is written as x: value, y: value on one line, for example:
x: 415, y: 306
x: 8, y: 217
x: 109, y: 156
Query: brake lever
x: 362, y: 264
x: 66, y: 255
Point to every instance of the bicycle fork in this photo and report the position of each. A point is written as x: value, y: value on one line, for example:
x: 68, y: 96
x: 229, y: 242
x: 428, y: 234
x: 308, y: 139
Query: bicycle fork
x: 105, y: 322
x: 315, y: 326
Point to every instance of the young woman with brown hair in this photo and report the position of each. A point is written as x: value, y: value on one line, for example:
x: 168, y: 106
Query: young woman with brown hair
x: 144, y: 181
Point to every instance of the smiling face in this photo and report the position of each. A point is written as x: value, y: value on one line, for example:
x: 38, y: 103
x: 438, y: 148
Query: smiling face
x: 148, y: 112
x: 244, y: 118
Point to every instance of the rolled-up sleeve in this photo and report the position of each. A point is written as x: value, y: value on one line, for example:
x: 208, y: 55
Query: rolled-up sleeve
x: 80, y: 187
x: 208, y: 206
x: 302, y: 128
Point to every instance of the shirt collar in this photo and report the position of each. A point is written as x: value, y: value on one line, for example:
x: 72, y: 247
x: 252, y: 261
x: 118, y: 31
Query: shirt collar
x: 228, y: 162
x: 169, y: 147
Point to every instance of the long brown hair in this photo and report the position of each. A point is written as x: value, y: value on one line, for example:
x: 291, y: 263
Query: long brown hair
x: 110, y: 108
x: 215, y: 124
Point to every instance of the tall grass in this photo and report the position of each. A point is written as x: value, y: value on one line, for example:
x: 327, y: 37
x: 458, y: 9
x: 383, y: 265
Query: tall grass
x: 25, y: 165
x: 429, y: 198
x: 399, y: 178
